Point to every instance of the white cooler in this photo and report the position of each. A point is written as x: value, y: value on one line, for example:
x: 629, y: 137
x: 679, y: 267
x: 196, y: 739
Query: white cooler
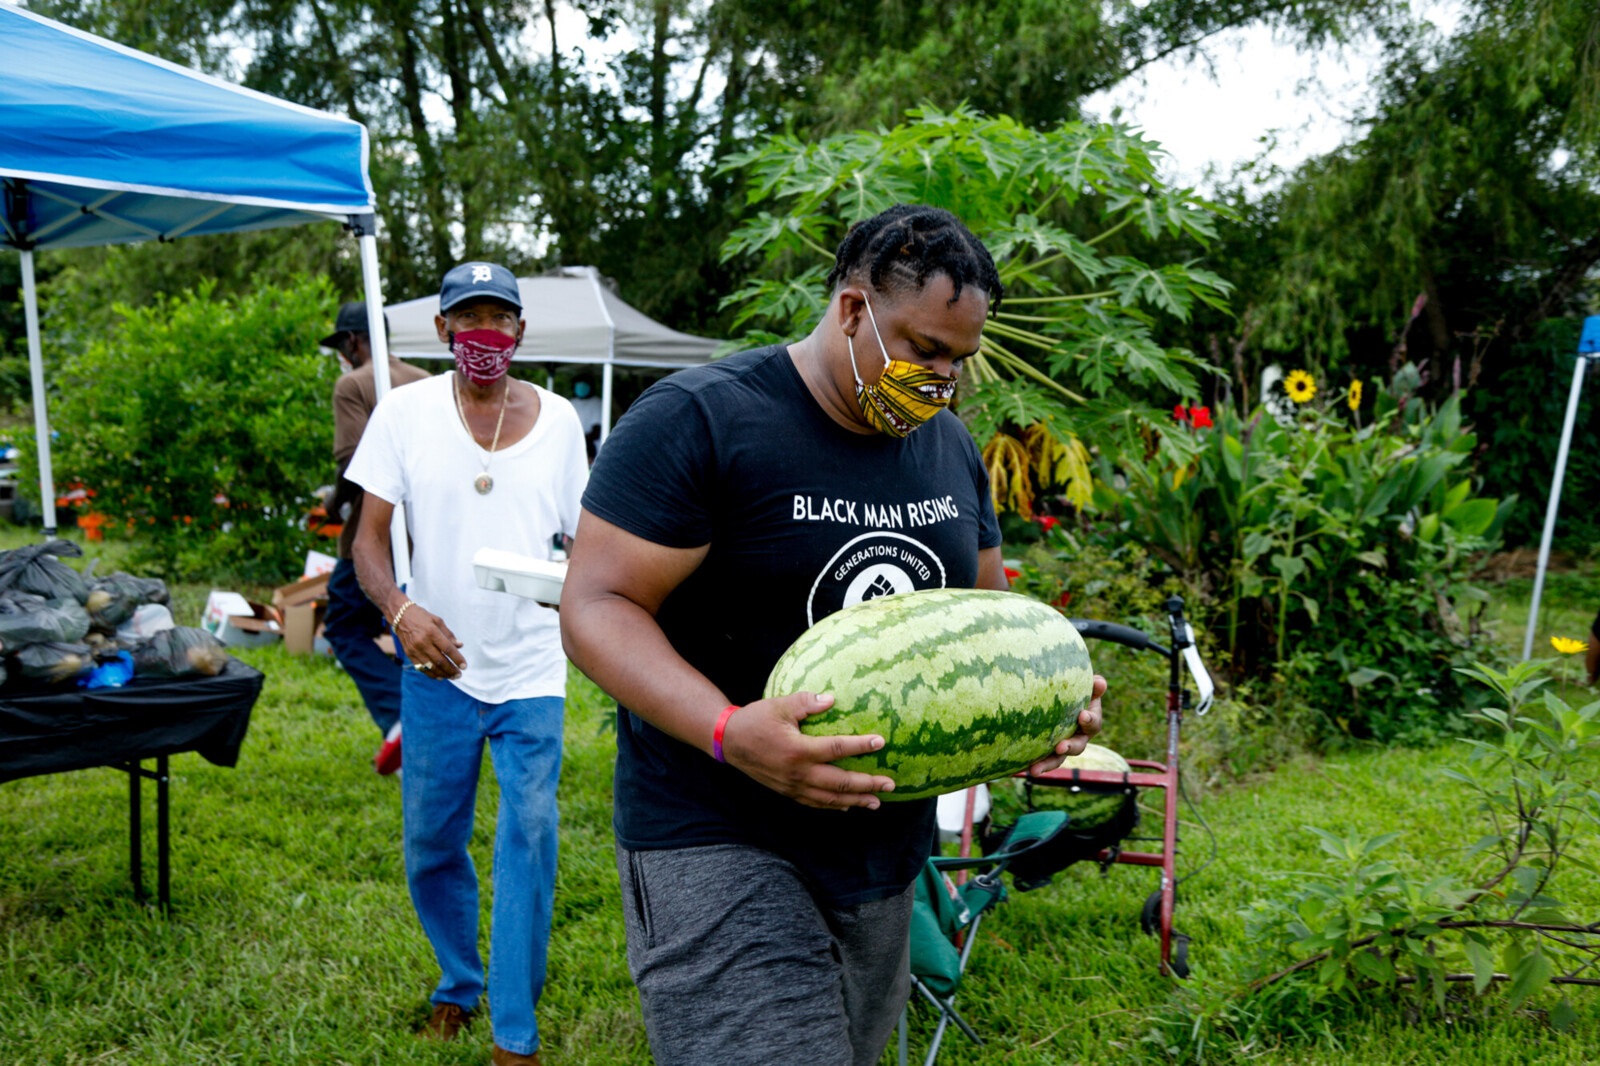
x: 520, y: 575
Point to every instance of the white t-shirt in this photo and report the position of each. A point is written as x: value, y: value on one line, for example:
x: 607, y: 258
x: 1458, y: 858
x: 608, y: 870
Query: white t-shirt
x: 416, y: 451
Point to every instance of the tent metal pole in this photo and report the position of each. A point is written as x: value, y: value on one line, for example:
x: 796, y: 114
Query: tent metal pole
x: 611, y: 353
x: 374, y: 297
x: 366, y: 227
x: 41, y: 417
x: 1589, y: 344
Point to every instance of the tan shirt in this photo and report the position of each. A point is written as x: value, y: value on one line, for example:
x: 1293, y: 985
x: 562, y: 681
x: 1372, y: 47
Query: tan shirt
x: 354, y: 396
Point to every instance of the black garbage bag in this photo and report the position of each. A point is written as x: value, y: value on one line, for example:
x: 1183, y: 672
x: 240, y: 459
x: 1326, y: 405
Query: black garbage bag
x: 136, y: 590
x: 113, y: 599
x: 53, y: 662
x: 108, y: 606
x: 29, y: 619
x: 151, y: 590
x: 36, y: 569
x: 102, y: 646
x: 182, y: 651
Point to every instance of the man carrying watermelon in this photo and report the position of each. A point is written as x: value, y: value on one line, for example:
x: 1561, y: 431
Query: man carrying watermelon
x: 767, y: 893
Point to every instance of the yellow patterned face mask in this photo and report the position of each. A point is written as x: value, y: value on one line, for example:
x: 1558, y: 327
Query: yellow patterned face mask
x: 906, y: 396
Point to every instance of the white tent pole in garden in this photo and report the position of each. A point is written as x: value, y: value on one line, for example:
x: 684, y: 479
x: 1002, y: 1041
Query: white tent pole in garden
x: 611, y: 356
x: 1588, y: 349
x: 41, y: 417
x: 366, y: 229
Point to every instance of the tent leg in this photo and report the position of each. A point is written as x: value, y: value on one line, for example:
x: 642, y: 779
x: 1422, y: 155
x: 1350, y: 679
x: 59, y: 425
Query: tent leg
x: 41, y: 417
x: 366, y: 227
x: 605, y: 402
x: 1554, y: 505
x: 374, y: 297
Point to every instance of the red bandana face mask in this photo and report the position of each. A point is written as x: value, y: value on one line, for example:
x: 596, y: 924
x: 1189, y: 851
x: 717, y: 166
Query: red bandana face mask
x: 482, y: 355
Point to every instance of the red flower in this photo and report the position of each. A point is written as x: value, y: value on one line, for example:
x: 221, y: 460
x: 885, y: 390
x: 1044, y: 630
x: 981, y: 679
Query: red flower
x: 1063, y: 599
x: 1201, y: 416
x: 1047, y: 522
x: 1011, y: 575
x: 1180, y: 413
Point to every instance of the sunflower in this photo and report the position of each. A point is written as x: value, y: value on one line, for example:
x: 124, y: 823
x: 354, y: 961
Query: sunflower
x: 1353, y: 400
x: 1299, y: 386
x: 1568, y: 646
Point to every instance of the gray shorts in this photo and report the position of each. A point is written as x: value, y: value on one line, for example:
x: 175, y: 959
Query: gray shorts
x: 738, y: 965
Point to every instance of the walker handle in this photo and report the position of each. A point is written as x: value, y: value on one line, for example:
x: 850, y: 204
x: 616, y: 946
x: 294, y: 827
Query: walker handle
x: 1127, y: 636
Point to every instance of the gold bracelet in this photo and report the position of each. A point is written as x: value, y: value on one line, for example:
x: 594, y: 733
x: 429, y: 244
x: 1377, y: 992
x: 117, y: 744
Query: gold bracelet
x: 394, y: 623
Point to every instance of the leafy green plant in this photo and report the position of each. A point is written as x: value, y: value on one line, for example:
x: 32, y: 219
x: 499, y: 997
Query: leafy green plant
x: 1075, y: 342
x: 202, y: 428
x: 1373, y: 924
x: 1321, y: 541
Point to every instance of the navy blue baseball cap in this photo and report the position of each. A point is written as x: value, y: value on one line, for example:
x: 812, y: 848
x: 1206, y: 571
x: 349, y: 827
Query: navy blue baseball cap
x: 352, y: 319
x: 470, y: 281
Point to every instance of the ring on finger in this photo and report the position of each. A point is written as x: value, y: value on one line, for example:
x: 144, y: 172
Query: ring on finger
x: 425, y: 666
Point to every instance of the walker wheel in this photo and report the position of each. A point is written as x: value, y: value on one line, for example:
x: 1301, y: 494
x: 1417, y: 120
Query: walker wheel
x: 1150, y: 915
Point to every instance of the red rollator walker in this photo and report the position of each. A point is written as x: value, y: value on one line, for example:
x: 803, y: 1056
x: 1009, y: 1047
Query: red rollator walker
x: 1102, y: 842
x: 1180, y: 653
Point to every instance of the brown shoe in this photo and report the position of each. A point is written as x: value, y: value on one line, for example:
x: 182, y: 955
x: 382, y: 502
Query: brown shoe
x: 445, y: 1022
x: 502, y: 1057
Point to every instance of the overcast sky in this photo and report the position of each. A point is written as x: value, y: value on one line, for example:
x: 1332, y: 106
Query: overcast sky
x: 1260, y: 88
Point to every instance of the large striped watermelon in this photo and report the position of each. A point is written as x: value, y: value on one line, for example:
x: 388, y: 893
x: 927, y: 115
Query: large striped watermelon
x: 964, y: 685
x: 1089, y: 805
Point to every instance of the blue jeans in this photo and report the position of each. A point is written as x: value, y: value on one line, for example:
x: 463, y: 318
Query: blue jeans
x: 350, y: 625
x: 445, y: 730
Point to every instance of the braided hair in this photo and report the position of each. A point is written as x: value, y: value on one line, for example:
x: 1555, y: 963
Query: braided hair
x: 898, y: 250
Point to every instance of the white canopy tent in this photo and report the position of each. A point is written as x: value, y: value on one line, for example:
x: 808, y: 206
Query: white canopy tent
x: 1588, y: 352
x: 102, y: 144
x: 572, y: 318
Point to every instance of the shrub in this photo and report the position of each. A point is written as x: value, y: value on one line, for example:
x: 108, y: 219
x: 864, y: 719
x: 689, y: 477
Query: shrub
x: 202, y: 426
x: 1370, y: 926
x: 1337, y: 556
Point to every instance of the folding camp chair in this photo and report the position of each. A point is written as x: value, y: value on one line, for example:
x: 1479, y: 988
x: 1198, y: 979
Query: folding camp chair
x: 945, y: 919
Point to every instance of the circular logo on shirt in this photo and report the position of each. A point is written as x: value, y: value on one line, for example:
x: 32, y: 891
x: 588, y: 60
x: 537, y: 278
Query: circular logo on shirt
x: 872, y: 565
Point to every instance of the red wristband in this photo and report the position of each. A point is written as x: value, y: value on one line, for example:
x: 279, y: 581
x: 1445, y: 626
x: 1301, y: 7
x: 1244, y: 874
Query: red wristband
x: 716, y: 734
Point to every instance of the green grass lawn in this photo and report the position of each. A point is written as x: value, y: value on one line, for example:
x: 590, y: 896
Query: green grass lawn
x: 292, y: 939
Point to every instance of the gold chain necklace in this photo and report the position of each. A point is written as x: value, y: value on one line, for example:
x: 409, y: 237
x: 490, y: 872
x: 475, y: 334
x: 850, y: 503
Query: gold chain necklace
x: 483, y: 482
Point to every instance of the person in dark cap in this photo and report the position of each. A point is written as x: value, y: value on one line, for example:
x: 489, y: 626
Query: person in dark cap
x: 480, y: 460
x: 352, y: 623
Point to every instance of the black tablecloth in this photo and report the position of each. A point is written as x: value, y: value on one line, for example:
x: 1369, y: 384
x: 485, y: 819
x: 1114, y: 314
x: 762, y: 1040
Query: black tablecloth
x: 47, y: 731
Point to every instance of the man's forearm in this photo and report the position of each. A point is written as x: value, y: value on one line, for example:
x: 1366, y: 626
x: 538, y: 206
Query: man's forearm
x: 619, y: 646
x: 375, y: 568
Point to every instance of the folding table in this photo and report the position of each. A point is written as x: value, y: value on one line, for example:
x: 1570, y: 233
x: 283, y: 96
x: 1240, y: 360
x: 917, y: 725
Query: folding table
x: 54, y: 730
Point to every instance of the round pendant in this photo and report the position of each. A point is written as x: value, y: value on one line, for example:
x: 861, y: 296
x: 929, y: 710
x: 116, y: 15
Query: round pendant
x: 483, y: 483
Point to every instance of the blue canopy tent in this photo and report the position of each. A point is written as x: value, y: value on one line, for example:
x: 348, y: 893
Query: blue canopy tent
x: 102, y: 144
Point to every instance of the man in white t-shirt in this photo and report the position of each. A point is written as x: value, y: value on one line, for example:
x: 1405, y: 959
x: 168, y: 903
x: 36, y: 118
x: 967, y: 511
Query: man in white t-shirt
x: 480, y: 460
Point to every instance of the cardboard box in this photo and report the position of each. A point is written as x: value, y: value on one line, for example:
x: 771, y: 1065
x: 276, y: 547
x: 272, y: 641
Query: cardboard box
x: 318, y: 564
x: 306, y: 590
x: 301, y: 624
x: 303, y: 603
x: 238, y: 623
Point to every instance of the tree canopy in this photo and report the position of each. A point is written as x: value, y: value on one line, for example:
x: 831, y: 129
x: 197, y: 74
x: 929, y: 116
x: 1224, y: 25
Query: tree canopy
x: 1453, y: 230
x: 497, y: 132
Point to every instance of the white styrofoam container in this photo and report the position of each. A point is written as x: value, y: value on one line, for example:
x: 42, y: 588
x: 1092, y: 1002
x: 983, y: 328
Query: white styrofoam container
x: 520, y: 575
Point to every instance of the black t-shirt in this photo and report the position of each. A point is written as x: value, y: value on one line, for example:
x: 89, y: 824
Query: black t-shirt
x: 802, y: 517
